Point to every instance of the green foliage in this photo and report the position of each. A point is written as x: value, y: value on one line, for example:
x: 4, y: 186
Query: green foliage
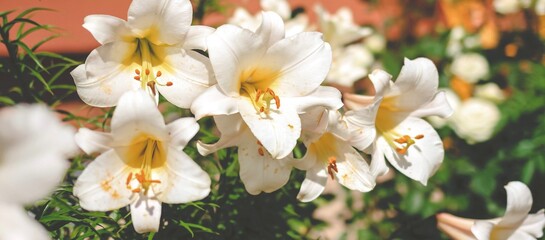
x: 27, y: 74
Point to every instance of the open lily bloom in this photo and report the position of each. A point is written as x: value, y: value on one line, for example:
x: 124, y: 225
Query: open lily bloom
x: 329, y: 155
x: 339, y: 29
x: 259, y: 171
x: 152, y: 50
x: 268, y: 79
x: 31, y: 139
x: 141, y: 163
x: 390, y: 125
x: 516, y: 224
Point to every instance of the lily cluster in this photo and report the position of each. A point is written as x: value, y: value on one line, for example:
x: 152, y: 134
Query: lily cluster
x: 262, y: 86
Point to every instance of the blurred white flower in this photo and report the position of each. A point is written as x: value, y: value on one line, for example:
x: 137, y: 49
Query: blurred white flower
x: 454, y: 44
x: 391, y: 121
x: 34, y: 148
x: 470, y: 67
x: 141, y: 163
x: 540, y: 7
x: 259, y: 171
x: 152, y: 50
x: 268, y: 79
x: 376, y: 42
x: 350, y: 64
x: 516, y: 223
x: 490, y: 91
x: 281, y: 7
x: 454, y: 102
x: 330, y: 155
x: 339, y: 29
x: 475, y: 119
x: 507, y: 6
x: 300, y: 23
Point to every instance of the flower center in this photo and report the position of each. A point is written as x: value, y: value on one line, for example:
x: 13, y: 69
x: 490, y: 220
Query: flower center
x: 326, y: 152
x: 401, y: 143
x: 144, y: 156
x: 261, y: 99
x: 147, y: 76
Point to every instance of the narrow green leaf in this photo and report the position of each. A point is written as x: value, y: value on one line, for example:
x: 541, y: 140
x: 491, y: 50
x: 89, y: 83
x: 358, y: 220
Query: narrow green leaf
x: 31, y: 54
x: 6, y: 100
x: 30, y: 10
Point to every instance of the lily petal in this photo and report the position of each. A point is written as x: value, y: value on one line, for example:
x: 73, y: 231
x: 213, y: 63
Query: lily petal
x: 303, y: 56
x: 196, y: 37
x: 519, y: 204
x: 361, y: 124
x: 231, y: 128
x: 271, y: 28
x: 213, y: 102
x: 190, y: 74
x: 314, y: 184
x: 17, y: 224
x: 438, y: 106
x: 92, y: 141
x: 231, y: 50
x: 106, y: 28
x: 104, y: 77
x: 353, y: 171
x: 146, y: 213
x: 260, y: 173
x: 182, y: 180
x: 378, y: 163
x: 137, y: 114
x: 278, y: 131
x: 161, y: 21
x: 33, y: 183
x: 182, y: 131
x: 102, y: 186
x: 482, y: 229
x: 327, y: 97
x: 416, y: 84
x: 423, y: 158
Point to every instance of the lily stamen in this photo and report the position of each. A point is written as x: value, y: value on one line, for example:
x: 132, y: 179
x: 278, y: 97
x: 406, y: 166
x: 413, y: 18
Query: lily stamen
x: 332, y: 166
x: 407, y: 141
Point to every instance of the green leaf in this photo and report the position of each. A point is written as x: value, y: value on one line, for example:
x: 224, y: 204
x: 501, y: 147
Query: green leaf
x: 31, y: 54
x: 6, y: 100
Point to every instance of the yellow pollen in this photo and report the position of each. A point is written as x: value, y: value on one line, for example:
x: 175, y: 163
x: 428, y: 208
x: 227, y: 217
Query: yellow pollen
x: 260, y: 151
x: 406, y: 141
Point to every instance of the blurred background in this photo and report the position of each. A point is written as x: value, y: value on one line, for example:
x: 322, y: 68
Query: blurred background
x: 490, y: 58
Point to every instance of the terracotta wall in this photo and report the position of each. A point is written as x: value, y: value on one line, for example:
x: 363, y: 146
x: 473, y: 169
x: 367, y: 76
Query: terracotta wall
x: 68, y: 16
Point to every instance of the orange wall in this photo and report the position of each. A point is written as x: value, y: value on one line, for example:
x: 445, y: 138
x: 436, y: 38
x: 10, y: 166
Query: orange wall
x: 68, y: 16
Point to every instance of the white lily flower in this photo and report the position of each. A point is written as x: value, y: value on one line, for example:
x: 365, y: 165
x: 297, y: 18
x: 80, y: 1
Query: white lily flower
x: 390, y: 122
x: 268, y: 79
x: 329, y: 155
x: 34, y: 148
x: 350, y: 64
x: 339, y: 29
x: 141, y: 163
x: 516, y: 224
x: 475, y: 120
x: 259, y: 171
x: 152, y: 50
